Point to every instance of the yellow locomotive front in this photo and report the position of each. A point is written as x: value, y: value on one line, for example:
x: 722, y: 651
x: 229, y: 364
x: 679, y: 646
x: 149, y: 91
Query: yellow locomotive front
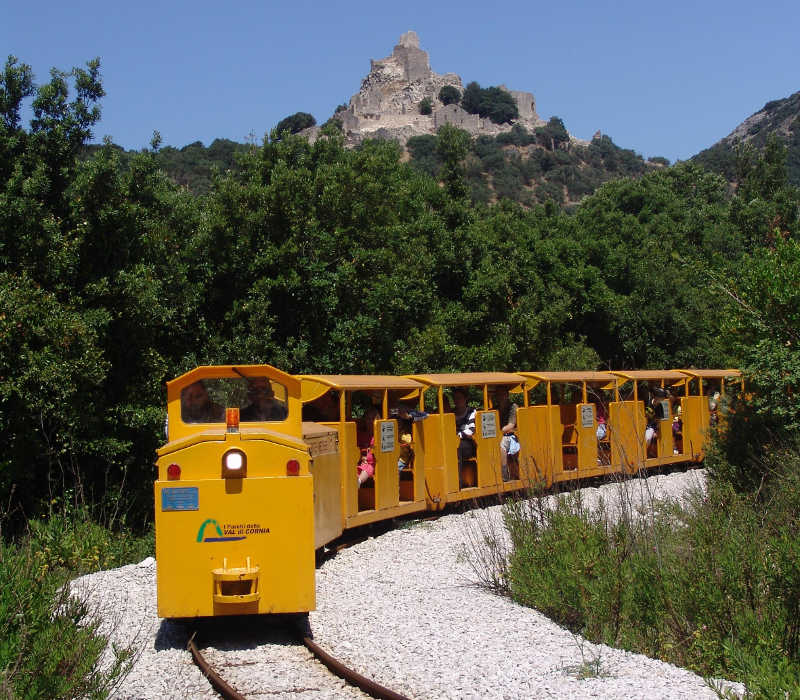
x: 234, y: 501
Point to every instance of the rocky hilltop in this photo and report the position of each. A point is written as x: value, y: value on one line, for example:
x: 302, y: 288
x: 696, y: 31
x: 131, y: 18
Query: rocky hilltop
x: 780, y: 118
x: 388, y: 104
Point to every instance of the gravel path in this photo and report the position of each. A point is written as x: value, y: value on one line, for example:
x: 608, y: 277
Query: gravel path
x: 405, y: 610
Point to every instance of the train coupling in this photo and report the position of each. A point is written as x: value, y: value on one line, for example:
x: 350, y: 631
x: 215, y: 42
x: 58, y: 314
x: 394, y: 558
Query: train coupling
x: 236, y: 584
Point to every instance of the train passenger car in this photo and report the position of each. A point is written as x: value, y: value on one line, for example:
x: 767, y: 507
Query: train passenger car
x: 560, y: 421
x: 480, y: 475
x: 707, y: 392
x: 239, y: 498
x: 654, y: 398
x: 583, y: 424
x: 371, y: 416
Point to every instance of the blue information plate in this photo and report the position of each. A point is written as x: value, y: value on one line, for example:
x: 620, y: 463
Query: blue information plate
x: 183, y: 498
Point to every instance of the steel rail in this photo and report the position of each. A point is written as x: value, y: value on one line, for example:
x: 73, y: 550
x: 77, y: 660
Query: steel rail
x: 217, y: 682
x: 366, y: 684
x: 337, y: 667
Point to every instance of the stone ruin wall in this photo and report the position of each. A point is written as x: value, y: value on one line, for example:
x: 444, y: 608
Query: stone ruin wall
x: 387, y: 105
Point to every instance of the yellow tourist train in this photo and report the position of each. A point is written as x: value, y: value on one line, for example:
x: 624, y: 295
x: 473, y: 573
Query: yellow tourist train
x: 261, y: 468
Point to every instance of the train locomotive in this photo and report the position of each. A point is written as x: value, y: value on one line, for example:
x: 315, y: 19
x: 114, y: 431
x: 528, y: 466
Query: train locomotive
x: 260, y: 467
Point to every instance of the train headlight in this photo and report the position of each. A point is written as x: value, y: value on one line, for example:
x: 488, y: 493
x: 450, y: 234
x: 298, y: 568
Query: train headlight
x: 234, y: 464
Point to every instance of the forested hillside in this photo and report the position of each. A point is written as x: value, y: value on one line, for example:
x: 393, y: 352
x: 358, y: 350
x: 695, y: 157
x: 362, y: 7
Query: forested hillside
x: 522, y: 166
x: 316, y: 258
x: 319, y: 258
x: 536, y: 167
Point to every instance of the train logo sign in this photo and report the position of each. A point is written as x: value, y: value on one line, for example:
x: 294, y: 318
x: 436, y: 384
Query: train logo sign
x: 220, y: 536
x: 229, y: 532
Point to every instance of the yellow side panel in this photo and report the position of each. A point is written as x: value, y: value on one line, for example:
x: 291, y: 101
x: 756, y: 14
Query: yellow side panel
x: 488, y: 449
x: 387, y: 476
x: 327, y: 475
x: 541, y: 444
x: 694, y: 414
x: 350, y: 456
x: 626, y: 430
x: 220, y: 524
x: 431, y: 444
x: 420, y: 452
x: 450, y: 441
x: 665, y: 438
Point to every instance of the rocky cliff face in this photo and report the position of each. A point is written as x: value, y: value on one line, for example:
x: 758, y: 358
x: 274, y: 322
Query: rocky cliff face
x: 387, y: 105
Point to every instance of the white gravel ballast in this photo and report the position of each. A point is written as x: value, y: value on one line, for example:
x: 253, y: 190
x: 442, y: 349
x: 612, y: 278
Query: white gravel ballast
x: 406, y: 610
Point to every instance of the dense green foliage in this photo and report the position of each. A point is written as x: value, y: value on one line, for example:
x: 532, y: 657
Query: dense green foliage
x: 426, y: 106
x: 294, y: 123
x: 449, y: 95
x: 493, y: 103
x: 319, y: 258
x: 50, y: 646
x: 531, y: 168
x: 192, y: 166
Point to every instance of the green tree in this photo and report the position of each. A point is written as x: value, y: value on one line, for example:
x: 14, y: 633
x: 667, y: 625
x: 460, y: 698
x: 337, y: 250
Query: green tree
x: 498, y: 105
x: 452, y: 147
x: 294, y: 123
x: 426, y: 106
x: 449, y: 95
x: 493, y: 103
x: 471, y: 99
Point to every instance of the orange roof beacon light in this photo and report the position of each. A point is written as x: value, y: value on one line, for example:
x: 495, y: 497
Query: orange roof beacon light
x: 232, y: 419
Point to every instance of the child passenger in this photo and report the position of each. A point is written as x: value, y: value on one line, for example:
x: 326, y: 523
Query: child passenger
x: 365, y: 438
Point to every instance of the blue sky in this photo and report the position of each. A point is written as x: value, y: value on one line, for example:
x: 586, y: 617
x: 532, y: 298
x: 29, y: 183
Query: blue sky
x: 665, y: 79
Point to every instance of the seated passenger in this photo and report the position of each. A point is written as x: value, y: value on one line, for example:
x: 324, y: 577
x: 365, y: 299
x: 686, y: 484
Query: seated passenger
x: 508, y: 420
x: 713, y: 408
x: 263, y: 405
x: 406, y: 417
x: 602, y: 430
x: 465, y: 427
x: 197, y: 407
x: 406, y: 458
x: 677, y: 435
x: 365, y: 439
x: 651, y: 431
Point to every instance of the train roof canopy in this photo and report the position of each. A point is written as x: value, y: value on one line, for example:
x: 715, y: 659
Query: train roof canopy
x: 470, y: 379
x: 242, y: 371
x: 712, y: 373
x: 315, y: 385
x: 605, y: 379
x: 671, y: 376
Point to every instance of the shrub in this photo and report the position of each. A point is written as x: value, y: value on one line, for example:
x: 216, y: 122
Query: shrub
x: 493, y: 103
x: 553, y: 134
x: 50, y: 646
x: 449, y: 95
x: 426, y: 106
x: 714, y: 587
x: 424, y: 154
x: 294, y: 123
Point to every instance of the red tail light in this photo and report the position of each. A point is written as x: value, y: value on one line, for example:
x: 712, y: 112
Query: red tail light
x: 292, y: 467
x: 173, y: 472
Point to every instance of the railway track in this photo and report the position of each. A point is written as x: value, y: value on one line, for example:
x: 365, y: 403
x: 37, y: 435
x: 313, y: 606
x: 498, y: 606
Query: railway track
x: 277, y: 660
